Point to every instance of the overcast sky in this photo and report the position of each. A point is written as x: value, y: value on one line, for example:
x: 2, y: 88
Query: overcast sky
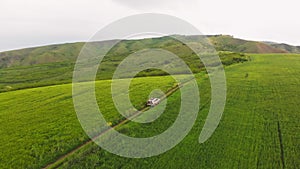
x: 26, y: 23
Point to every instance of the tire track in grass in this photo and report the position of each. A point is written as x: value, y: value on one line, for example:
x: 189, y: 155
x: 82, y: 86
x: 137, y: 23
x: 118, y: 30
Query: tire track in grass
x: 59, y: 161
x: 278, y: 94
x: 281, y: 145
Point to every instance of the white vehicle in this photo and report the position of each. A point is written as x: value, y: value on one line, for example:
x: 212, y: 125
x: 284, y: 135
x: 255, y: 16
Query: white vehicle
x: 153, y: 102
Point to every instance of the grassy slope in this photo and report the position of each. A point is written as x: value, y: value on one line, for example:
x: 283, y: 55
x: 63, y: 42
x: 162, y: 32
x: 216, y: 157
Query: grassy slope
x: 53, y: 64
x: 286, y: 47
x: 247, y: 136
x: 69, y: 52
x: 228, y: 43
x: 40, y: 55
x: 50, y: 73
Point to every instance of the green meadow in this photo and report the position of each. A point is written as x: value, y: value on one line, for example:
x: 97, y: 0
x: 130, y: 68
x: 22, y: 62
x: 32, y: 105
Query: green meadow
x: 259, y: 128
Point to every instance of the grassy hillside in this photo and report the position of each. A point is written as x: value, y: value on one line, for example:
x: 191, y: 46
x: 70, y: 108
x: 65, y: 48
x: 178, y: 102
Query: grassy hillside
x: 48, y: 65
x: 40, y: 55
x: 286, y: 47
x: 69, y: 52
x: 258, y: 129
x: 228, y: 43
x: 54, y: 64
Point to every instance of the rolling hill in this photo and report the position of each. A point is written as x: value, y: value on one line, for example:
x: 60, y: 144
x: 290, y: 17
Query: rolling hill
x: 286, y: 47
x: 229, y: 43
x: 69, y: 52
x: 54, y: 64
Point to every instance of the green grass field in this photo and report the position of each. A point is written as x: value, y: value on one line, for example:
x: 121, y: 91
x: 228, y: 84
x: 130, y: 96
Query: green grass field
x: 47, y: 74
x: 259, y: 129
x: 38, y: 125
